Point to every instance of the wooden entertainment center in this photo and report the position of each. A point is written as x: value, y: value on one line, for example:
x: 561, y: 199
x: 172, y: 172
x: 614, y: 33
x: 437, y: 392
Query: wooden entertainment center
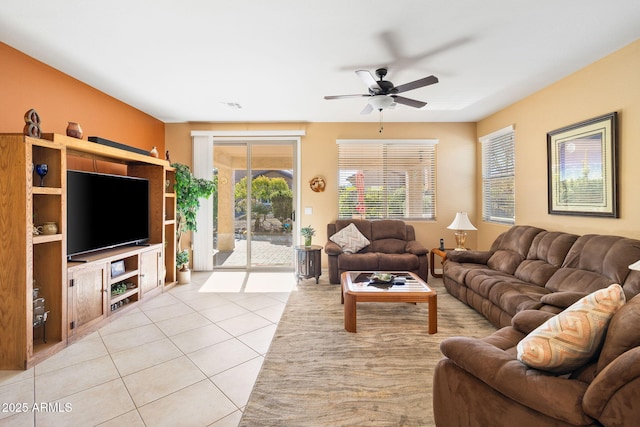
x: 79, y: 296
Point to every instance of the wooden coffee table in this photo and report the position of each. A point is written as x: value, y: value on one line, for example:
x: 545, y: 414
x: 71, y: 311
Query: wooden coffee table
x: 414, y: 290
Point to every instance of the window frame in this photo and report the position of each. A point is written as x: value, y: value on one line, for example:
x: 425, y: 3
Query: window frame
x: 493, y: 172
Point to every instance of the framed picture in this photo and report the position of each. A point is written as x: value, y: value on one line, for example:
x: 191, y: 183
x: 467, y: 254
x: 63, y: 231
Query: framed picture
x: 582, y: 168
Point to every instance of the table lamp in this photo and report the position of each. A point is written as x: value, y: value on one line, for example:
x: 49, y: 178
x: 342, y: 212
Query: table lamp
x: 460, y: 224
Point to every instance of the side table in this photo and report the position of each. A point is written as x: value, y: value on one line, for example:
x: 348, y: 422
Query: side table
x: 442, y: 254
x: 308, y: 262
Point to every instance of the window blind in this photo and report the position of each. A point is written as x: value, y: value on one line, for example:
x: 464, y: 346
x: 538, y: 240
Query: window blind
x: 390, y: 179
x: 498, y: 177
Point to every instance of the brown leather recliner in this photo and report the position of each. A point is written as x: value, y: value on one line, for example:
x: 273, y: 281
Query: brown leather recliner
x: 481, y: 383
x: 393, y: 247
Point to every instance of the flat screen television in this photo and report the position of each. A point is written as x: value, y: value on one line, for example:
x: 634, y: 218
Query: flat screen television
x: 105, y: 211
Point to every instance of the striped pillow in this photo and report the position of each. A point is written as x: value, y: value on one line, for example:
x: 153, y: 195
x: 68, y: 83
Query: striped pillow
x: 569, y: 340
x: 350, y: 239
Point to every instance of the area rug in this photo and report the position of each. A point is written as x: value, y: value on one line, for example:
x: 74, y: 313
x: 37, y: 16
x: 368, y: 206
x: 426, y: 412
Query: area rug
x: 317, y: 374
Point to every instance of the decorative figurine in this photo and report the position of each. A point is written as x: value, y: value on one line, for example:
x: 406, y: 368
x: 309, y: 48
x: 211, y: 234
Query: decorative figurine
x: 32, y: 124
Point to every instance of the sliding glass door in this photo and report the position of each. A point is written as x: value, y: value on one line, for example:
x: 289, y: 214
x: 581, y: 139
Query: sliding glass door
x: 254, y: 212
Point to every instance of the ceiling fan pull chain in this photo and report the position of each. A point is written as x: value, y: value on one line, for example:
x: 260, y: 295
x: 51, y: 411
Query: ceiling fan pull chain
x: 381, y: 125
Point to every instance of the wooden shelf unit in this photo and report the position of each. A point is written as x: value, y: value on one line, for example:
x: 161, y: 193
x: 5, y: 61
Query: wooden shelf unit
x: 170, y: 226
x: 77, y: 295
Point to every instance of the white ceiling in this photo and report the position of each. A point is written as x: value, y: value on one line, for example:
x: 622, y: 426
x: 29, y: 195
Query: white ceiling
x: 185, y: 60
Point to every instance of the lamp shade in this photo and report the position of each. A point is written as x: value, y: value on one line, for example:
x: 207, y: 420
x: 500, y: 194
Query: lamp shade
x: 461, y: 222
x: 380, y: 102
x: 635, y: 266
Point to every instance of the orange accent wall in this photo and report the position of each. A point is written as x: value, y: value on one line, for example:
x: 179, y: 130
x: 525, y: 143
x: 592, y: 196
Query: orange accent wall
x: 26, y: 83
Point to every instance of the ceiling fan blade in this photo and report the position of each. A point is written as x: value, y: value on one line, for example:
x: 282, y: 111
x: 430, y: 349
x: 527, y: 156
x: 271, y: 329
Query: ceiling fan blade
x: 416, y: 84
x: 367, y: 110
x: 368, y: 79
x: 345, y: 96
x: 408, y: 101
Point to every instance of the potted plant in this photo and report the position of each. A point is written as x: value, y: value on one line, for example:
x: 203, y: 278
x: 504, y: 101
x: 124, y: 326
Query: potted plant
x: 189, y: 190
x: 307, y: 232
x: 182, y: 264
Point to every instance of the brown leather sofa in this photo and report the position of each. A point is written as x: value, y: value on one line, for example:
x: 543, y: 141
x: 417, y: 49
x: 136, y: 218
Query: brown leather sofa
x: 481, y: 383
x: 528, y: 276
x: 393, y: 247
x: 531, y: 268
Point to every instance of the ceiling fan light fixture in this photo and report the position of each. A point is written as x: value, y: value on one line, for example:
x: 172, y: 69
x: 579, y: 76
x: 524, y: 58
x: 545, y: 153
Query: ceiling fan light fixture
x: 380, y: 102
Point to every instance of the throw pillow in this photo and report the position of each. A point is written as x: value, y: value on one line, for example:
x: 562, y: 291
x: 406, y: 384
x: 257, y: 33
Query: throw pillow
x: 350, y: 239
x: 570, y: 339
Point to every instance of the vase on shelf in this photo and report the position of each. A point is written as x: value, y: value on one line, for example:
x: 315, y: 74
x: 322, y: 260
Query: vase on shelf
x: 74, y: 130
x: 49, y: 228
x: 42, y: 169
x: 307, y: 241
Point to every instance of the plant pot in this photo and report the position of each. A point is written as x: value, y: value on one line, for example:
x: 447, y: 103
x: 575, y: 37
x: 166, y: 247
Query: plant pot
x: 307, y: 241
x: 184, y: 276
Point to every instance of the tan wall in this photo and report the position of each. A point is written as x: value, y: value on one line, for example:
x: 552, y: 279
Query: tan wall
x: 455, y: 174
x: 611, y: 84
x: 58, y: 98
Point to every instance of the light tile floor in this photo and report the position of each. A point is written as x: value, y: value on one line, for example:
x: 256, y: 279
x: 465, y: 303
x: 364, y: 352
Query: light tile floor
x: 188, y: 357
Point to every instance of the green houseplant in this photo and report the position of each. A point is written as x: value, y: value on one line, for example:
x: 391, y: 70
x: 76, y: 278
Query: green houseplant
x: 307, y: 232
x: 189, y: 190
x: 182, y: 259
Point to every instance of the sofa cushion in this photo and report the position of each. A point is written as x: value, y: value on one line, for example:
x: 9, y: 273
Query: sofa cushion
x: 608, y: 256
x: 569, y: 279
x: 358, y: 262
x: 512, y: 247
x: 568, y: 340
x: 505, y: 261
x: 551, y: 247
x: 398, y: 262
x: 350, y: 239
x: 388, y: 246
x: 388, y: 229
x: 513, y: 297
x: 458, y: 271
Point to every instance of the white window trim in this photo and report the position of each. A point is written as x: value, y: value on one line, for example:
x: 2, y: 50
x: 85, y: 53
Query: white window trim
x: 487, y: 138
x: 497, y: 134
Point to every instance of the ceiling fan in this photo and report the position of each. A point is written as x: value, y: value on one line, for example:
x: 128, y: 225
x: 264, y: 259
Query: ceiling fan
x: 383, y: 94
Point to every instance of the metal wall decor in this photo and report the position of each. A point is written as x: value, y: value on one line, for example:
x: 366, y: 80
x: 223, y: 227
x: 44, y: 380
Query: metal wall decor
x: 317, y: 184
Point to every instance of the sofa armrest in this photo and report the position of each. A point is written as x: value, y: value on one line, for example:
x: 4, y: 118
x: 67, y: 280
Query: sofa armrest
x: 526, y: 321
x: 416, y: 248
x: 562, y: 299
x: 475, y: 257
x: 332, y: 248
x: 611, y: 396
x: 556, y: 397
